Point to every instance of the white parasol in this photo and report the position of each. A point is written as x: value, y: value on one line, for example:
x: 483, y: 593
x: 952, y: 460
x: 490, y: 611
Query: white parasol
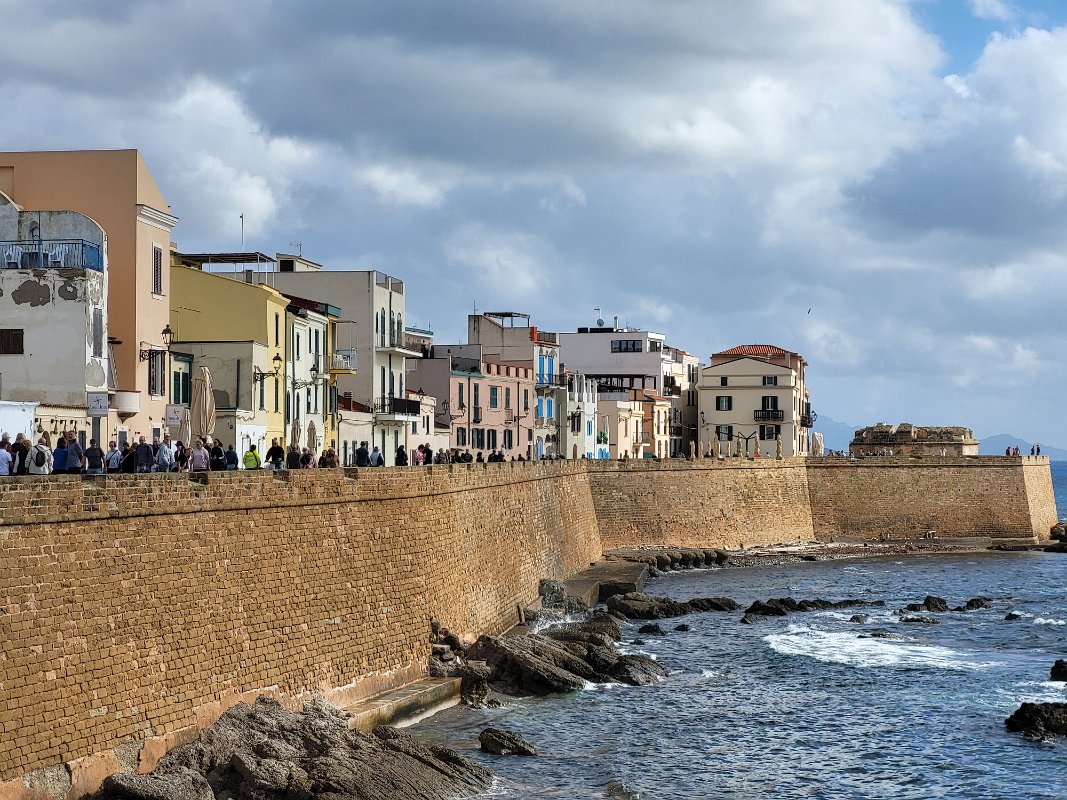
x: 202, y: 408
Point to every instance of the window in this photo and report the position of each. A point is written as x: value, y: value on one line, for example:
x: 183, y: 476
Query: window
x: 724, y: 433
x: 525, y: 399
x: 540, y: 406
x: 157, y: 376
x: 541, y: 368
x: 297, y: 348
x: 478, y: 438
x: 549, y: 403
x: 315, y: 347
x: 494, y: 397
x: 490, y: 438
x: 276, y: 408
x: 691, y: 398
x: 507, y: 397
x: 589, y: 427
x: 461, y: 437
x: 460, y: 402
x: 724, y: 402
x: 262, y: 396
x: 414, y: 426
x: 157, y: 270
x: 181, y: 385
x: 723, y: 381
x: 509, y: 439
x: 381, y: 327
x: 627, y: 346
x: 426, y: 423
x: 770, y: 380
x: 12, y: 342
x: 770, y: 402
x: 474, y: 395
x: 768, y: 433
x: 277, y: 326
x: 98, y: 333
x: 551, y: 367
x: 307, y: 400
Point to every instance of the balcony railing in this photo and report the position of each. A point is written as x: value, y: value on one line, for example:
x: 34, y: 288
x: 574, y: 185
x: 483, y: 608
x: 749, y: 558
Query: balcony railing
x: 672, y: 391
x: 344, y: 361
x: 51, y: 253
x: 768, y: 415
x: 477, y: 414
x: 807, y: 420
x: 397, y: 405
x: 545, y: 379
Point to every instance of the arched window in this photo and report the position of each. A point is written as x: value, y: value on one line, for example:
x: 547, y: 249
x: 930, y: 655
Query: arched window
x: 399, y: 328
x: 381, y: 328
x: 392, y: 328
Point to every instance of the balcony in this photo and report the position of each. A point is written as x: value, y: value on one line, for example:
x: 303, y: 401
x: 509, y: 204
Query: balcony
x: 645, y: 438
x: 544, y: 379
x: 125, y: 403
x: 396, y: 407
x: 768, y: 415
x: 672, y: 391
x: 807, y: 420
x: 477, y: 414
x: 396, y: 345
x: 51, y: 254
x: 343, y: 363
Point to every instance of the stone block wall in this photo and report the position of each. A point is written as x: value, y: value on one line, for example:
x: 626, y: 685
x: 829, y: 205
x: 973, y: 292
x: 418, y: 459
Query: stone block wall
x: 1006, y: 499
x: 139, y: 608
x: 704, y: 503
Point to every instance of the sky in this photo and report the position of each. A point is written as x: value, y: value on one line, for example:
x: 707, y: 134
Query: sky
x: 879, y: 185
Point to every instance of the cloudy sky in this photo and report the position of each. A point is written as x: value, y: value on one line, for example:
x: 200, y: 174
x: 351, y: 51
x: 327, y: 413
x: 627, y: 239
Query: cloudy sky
x: 712, y: 169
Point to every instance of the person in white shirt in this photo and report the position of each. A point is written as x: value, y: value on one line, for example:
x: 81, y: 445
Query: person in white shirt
x: 42, y: 453
x: 5, y: 458
x: 165, y: 455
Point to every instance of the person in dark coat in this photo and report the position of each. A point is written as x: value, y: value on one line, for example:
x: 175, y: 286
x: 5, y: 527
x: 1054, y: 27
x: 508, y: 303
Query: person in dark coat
x: 401, y: 459
x: 362, y: 455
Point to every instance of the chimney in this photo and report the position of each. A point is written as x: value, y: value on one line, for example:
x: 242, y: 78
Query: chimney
x: 616, y: 322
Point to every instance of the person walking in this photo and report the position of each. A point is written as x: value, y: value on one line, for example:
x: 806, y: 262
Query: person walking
x: 165, y: 455
x: 94, y: 459
x: 329, y: 460
x: 181, y: 457
x: 144, y: 458
x: 40, y: 460
x: 199, y: 458
x: 251, y: 459
x: 75, y: 454
x: 292, y: 460
x: 218, y: 456
x: 231, y: 458
x: 5, y: 458
x: 113, y: 458
x: 275, y: 455
x: 20, y: 452
x: 401, y: 457
x: 376, y: 458
x: 363, y: 455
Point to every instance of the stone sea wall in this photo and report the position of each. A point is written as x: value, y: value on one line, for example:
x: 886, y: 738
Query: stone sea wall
x: 135, y: 610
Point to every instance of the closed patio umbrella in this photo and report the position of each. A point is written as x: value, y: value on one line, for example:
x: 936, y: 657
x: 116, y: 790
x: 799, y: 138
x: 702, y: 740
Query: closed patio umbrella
x: 202, y: 408
x: 294, y: 434
x: 185, y: 431
x: 313, y: 439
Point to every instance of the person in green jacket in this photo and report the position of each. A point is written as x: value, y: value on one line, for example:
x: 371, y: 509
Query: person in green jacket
x: 252, y: 459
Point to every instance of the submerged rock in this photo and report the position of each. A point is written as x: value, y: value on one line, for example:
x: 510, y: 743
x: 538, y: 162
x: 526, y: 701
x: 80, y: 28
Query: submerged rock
x: 1011, y: 616
x: 781, y: 606
x: 976, y: 603
x: 1039, y: 720
x: 683, y: 628
x: 266, y: 752
x: 1059, y: 670
x: 922, y: 620
x: 931, y: 603
x: 505, y: 743
x: 653, y: 629
x: 859, y: 618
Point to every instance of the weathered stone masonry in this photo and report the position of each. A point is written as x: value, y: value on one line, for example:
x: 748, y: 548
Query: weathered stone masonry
x: 134, y: 610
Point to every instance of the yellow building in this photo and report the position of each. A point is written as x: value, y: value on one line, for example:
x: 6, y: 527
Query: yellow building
x: 115, y: 189
x: 239, y: 331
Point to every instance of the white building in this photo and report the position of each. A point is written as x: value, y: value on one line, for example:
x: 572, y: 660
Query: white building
x: 626, y: 359
x: 54, y: 349
x: 749, y: 396
x: 579, y: 415
x: 622, y: 422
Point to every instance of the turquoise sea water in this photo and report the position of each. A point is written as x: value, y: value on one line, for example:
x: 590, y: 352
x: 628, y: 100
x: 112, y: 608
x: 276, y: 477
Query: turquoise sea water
x: 1059, y: 486
x: 811, y: 706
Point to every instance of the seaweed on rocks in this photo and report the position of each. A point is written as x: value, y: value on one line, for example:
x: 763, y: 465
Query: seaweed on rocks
x: 267, y: 752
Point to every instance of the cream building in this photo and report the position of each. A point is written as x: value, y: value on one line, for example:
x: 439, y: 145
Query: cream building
x: 115, y: 189
x: 622, y: 416
x: 749, y: 396
x: 53, y: 318
x: 578, y: 418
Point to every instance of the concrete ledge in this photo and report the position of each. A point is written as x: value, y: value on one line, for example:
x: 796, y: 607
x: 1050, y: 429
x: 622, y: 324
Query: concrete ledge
x: 405, y: 705
x: 606, y: 579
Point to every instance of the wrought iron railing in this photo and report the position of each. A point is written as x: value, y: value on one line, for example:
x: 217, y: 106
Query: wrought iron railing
x: 768, y: 415
x: 396, y: 405
x: 51, y: 253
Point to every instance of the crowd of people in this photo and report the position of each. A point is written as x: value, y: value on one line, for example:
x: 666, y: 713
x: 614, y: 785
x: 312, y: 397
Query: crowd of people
x: 66, y: 455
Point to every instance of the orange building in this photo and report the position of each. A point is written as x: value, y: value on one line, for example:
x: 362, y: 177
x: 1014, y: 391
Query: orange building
x: 114, y: 188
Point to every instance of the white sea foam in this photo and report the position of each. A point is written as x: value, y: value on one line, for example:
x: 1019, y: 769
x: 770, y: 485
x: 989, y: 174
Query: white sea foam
x: 841, y: 647
x: 1043, y: 621
x: 1036, y: 692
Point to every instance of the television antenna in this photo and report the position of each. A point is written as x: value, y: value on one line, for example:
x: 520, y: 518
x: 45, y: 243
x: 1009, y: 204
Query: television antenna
x: 599, y: 320
x: 299, y: 248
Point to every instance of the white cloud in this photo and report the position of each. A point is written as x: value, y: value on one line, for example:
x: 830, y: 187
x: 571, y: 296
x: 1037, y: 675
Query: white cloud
x: 992, y: 10
x: 506, y: 265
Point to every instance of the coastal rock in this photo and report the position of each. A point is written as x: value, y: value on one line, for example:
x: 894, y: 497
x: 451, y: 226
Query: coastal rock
x: 975, y: 603
x: 878, y: 633
x: 781, y: 606
x: 1039, y: 720
x: 921, y: 620
x: 637, y: 670
x: 683, y: 628
x: 266, y: 752
x: 505, y: 743
x: 859, y: 618
x: 1059, y: 671
x: 474, y: 684
x: 752, y: 619
x: 638, y: 605
x: 931, y: 603
x: 653, y: 629
x: 1011, y: 616
x: 638, y: 642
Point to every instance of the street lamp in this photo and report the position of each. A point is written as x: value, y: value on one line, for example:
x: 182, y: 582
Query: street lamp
x: 259, y: 375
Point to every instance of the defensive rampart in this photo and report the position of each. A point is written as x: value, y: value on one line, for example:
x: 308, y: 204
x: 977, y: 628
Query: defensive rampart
x: 134, y: 610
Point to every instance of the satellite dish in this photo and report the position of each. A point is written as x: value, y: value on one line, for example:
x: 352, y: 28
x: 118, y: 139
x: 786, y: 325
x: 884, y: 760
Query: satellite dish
x: 600, y: 323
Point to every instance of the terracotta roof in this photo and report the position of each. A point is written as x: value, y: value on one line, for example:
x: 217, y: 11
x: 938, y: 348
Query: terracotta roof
x: 754, y: 350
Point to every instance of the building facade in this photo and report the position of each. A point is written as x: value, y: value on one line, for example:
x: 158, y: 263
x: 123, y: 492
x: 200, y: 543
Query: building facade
x: 578, y: 418
x: 53, y: 319
x: 115, y: 189
x: 749, y: 397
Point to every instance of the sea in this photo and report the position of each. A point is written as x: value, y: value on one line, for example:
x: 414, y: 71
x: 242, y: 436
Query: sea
x: 812, y: 705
